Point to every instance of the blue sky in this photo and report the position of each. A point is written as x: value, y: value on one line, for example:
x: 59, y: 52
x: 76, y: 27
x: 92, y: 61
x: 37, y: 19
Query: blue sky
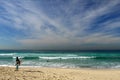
x: 60, y: 24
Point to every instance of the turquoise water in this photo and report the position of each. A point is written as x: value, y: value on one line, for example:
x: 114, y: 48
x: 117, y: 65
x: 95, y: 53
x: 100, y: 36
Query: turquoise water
x: 62, y: 59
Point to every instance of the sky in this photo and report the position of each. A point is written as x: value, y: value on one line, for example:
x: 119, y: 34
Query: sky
x: 60, y: 24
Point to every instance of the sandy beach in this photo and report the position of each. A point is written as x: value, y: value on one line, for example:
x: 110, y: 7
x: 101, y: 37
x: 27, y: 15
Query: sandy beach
x: 9, y: 73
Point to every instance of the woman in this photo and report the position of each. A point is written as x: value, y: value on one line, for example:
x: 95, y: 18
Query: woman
x: 17, y: 63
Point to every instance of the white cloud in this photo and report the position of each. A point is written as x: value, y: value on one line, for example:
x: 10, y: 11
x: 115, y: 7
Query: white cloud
x: 28, y: 17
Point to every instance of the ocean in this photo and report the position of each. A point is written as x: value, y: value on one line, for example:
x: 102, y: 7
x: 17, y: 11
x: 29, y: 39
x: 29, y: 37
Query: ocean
x: 62, y: 59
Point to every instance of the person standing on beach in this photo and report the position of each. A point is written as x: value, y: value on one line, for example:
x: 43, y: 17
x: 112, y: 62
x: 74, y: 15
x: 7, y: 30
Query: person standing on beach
x: 17, y: 63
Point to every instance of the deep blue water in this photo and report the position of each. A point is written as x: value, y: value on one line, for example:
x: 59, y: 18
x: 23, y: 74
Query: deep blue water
x: 62, y: 59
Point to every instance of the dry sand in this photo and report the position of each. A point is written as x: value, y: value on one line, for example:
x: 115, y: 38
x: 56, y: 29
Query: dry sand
x: 9, y: 73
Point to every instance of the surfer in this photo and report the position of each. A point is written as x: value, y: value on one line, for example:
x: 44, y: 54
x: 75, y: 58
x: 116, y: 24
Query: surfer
x: 17, y: 63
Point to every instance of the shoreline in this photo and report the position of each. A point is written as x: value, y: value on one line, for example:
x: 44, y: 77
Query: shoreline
x: 45, y: 73
x: 11, y: 66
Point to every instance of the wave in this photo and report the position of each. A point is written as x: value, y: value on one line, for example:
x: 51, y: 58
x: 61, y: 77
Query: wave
x: 80, y: 57
x: 28, y: 57
x: 67, y: 57
x: 12, y: 57
x: 7, y: 54
x: 71, y: 55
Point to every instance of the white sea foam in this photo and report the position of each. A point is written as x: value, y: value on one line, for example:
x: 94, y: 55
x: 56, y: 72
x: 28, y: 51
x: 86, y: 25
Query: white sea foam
x: 79, y: 57
x: 71, y: 55
x: 6, y: 66
x: 10, y: 54
x: 117, y: 66
x: 14, y: 57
